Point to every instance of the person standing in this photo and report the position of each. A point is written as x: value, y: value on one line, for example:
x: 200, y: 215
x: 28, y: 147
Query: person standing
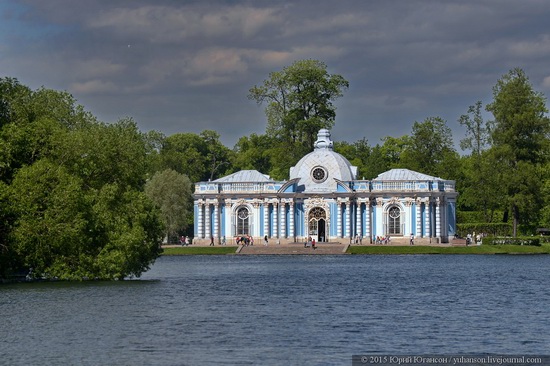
x: 211, y: 241
x: 412, y: 239
x: 265, y: 240
x: 313, y: 243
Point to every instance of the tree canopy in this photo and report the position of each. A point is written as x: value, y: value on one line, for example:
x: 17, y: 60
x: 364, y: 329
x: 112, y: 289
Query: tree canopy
x: 171, y: 192
x: 72, y: 203
x: 82, y: 199
x: 300, y: 100
x: 520, y: 142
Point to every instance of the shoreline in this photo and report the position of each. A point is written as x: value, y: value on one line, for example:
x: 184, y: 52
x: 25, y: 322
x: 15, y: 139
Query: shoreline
x: 297, y: 249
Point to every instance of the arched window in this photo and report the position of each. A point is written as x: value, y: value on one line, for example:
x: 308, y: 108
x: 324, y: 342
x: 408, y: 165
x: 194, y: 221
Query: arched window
x: 243, y: 221
x: 394, y: 221
x: 316, y: 215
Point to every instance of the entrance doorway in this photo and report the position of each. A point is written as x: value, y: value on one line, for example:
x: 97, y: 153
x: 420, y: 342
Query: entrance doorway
x: 317, y: 224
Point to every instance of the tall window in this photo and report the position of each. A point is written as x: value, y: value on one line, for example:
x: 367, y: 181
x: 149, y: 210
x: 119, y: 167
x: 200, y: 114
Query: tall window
x: 394, y: 221
x: 243, y: 221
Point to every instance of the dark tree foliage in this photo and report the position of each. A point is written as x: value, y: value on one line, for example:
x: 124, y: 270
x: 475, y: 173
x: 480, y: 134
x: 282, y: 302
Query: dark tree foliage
x: 72, y: 204
x: 300, y: 101
x: 520, y: 143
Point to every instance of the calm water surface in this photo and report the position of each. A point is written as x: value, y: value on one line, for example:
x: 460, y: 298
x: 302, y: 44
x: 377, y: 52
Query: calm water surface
x: 280, y: 310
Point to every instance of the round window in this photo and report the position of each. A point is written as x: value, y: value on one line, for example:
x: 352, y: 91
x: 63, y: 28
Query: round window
x: 319, y: 174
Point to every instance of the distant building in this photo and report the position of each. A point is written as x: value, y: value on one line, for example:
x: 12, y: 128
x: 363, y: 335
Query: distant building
x: 324, y: 200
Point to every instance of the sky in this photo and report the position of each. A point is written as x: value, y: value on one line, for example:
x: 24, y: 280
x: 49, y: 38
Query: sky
x: 187, y: 66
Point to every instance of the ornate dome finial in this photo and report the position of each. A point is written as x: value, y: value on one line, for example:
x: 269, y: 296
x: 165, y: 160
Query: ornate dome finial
x: 323, y: 140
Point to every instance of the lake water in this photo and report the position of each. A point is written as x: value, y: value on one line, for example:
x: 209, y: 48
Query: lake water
x: 282, y: 310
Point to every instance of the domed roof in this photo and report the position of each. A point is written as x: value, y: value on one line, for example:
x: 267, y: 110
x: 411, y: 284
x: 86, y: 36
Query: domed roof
x: 318, y: 169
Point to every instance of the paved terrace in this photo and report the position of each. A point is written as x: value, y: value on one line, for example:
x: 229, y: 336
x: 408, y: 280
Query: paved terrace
x: 335, y: 248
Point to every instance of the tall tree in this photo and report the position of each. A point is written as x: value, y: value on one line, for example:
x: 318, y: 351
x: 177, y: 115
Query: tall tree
x: 71, y: 202
x: 480, y: 190
x: 520, y: 141
x: 200, y: 157
x: 478, y: 131
x: 253, y: 152
x: 300, y: 101
x: 218, y: 156
x: 171, y: 192
x: 430, y: 148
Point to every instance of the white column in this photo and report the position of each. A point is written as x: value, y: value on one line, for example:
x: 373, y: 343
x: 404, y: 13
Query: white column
x: 437, y: 218
x: 200, y: 219
x: 207, y: 220
x: 228, y: 222
x: 378, y: 229
x: 367, y: 220
x: 291, y: 221
x: 409, y: 217
x: 419, y: 218
x: 427, y: 217
x: 266, y: 218
x: 339, y: 219
x: 358, y: 230
x: 348, y: 221
x: 216, y: 220
x: 275, y: 219
x: 283, y: 219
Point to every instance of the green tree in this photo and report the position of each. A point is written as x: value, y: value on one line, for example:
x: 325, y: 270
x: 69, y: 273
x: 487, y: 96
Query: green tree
x: 49, y: 233
x: 478, y: 131
x: 430, y: 148
x: 358, y: 153
x: 253, y: 153
x: 154, y: 142
x: 104, y: 153
x: 72, y: 204
x: 201, y: 157
x: 126, y: 229
x: 479, y: 186
x: 171, y: 192
x: 31, y: 121
x: 376, y: 163
x: 299, y: 101
x: 479, y: 190
x: 218, y: 156
x: 520, y: 142
x: 393, y: 149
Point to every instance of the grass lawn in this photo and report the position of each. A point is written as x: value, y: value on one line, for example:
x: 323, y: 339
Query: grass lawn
x: 474, y: 249
x: 191, y: 250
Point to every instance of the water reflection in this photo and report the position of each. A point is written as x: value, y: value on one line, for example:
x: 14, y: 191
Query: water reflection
x: 282, y: 310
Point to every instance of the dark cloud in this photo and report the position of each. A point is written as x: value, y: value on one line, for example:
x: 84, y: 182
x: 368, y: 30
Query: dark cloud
x: 187, y: 66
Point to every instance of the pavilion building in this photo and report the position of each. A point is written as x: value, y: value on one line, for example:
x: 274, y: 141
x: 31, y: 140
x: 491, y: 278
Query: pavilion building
x: 324, y: 200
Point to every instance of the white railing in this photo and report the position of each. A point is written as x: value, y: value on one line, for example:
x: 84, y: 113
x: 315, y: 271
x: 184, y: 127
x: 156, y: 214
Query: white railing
x: 359, y: 186
x: 245, y: 187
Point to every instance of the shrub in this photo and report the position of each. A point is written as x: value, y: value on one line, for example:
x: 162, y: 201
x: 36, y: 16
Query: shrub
x: 492, y: 229
x: 520, y: 240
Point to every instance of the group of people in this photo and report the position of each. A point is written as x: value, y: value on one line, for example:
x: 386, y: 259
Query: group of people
x: 184, y: 240
x: 245, y: 240
x: 473, y: 238
x: 382, y: 240
x: 310, y: 243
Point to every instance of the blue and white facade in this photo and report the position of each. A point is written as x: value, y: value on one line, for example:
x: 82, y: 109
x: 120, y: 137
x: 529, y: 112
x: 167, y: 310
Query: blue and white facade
x: 324, y: 200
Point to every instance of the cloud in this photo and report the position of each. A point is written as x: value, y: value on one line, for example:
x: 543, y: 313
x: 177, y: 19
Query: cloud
x: 169, y: 24
x: 92, y: 68
x: 93, y: 87
x: 405, y: 60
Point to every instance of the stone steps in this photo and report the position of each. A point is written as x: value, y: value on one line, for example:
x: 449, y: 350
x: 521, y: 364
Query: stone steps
x: 274, y: 249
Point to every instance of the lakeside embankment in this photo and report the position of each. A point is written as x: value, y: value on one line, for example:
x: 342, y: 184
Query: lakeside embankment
x: 375, y: 250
